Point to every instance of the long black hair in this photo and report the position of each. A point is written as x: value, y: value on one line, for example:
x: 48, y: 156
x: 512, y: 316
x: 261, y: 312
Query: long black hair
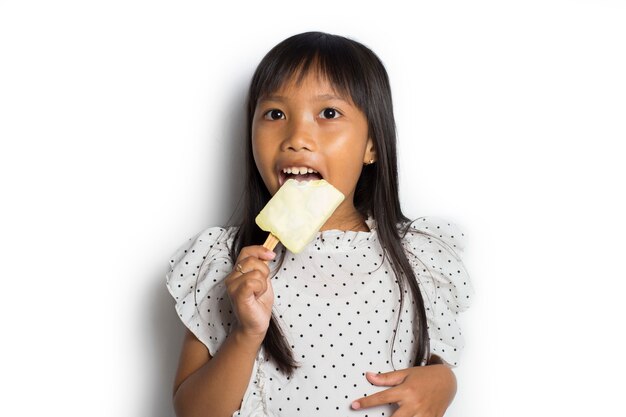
x: 356, y: 72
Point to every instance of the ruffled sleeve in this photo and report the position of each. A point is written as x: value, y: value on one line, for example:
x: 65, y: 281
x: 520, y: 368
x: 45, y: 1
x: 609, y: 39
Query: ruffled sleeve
x: 196, y: 281
x: 434, y: 247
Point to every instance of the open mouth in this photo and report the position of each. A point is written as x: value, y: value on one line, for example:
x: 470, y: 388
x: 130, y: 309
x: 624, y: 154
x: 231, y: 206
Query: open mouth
x: 299, y: 174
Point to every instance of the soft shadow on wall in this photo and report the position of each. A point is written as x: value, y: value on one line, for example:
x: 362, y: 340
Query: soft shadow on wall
x: 166, y: 329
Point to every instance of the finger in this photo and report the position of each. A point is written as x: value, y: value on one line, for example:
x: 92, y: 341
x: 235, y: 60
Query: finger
x: 256, y: 251
x: 250, y: 264
x: 249, y: 254
x: 387, y: 379
x: 387, y: 396
x: 249, y: 268
x: 244, y: 266
x: 252, y: 283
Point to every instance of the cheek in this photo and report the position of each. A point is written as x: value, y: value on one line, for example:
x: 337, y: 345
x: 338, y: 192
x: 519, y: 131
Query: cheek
x: 347, y: 146
x: 346, y: 153
x: 346, y: 181
x: 257, y: 147
x: 263, y: 159
x: 260, y: 161
x: 255, y: 155
x: 256, y: 139
x: 346, y: 170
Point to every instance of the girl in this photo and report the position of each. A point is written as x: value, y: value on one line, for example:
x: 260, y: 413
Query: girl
x: 361, y: 322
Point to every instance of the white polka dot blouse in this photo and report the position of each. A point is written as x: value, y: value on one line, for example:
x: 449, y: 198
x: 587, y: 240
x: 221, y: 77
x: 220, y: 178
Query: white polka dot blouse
x: 338, y: 303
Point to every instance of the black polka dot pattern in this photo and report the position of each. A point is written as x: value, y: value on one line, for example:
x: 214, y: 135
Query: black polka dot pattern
x: 338, y: 303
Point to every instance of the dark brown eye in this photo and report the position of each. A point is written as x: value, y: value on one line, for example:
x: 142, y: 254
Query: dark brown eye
x: 274, y: 115
x: 330, y: 113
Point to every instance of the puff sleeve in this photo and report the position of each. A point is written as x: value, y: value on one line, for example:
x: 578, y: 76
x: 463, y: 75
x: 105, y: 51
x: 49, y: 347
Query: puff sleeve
x: 196, y: 282
x: 434, y: 247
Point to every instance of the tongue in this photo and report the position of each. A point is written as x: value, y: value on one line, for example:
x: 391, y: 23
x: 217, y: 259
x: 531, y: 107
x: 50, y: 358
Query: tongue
x: 306, y: 177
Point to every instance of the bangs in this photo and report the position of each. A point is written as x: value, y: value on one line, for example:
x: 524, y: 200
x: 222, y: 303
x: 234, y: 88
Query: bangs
x: 333, y: 59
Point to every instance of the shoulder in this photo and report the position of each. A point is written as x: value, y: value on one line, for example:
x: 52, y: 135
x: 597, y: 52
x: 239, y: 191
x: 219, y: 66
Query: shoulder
x: 197, y: 269
x: 201, y: 245
x: 434, y: 247
x: 207, y: 251
x: 432, y: 233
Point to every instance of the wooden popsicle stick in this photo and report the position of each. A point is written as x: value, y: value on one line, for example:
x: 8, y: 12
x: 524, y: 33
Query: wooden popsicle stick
x: 271, y: 242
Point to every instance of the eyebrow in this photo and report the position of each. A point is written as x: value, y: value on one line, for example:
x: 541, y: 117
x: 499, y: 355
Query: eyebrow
x: 318, y: 97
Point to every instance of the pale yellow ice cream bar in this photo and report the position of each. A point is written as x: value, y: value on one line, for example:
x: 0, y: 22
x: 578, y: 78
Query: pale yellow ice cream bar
x: 297, y: 212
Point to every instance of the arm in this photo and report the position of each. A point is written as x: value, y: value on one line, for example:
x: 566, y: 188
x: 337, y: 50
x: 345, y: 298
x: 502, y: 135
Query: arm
x: 214, y: 387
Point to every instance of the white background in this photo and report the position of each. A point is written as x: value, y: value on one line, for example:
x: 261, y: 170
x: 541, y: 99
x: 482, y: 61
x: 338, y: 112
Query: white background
x: 121, y: 125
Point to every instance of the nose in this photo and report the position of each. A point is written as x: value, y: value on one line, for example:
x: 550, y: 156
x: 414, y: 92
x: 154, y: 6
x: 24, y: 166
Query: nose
x: 300, y: 136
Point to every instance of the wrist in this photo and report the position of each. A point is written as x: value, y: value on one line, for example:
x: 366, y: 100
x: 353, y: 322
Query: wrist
x: 248, y: 341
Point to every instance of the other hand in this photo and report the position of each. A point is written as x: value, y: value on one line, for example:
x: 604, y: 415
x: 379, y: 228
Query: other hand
x: 420, y: 391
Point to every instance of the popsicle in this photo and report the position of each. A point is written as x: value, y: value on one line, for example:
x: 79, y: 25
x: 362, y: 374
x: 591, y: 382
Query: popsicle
x: 297, y: 211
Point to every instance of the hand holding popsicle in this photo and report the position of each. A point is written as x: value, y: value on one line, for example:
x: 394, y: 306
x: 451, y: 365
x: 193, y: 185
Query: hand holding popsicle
x: 294, y: 215
x: 250, y: 290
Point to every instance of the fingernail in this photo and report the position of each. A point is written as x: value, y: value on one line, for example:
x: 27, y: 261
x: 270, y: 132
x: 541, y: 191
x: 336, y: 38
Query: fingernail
x: 356, y: 405
x: 371, y: 374
x: 270, y: 254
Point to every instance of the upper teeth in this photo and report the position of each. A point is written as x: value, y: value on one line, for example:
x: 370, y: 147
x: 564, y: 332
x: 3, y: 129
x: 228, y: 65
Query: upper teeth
x: 299, y: 170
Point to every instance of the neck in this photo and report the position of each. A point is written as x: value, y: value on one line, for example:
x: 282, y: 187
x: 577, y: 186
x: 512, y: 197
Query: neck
x: 346, y: 218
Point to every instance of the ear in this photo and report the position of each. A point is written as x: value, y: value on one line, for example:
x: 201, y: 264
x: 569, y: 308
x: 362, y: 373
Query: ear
x: 369, y: 157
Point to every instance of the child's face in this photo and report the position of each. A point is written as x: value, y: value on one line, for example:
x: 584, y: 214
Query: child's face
x: 310, y: 126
